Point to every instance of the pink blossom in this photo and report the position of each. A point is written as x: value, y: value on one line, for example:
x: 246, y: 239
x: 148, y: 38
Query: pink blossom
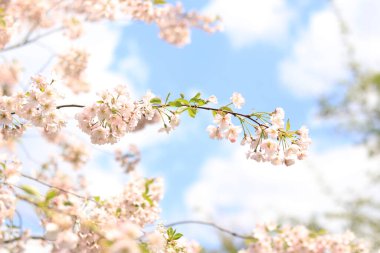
x: 237, y: 99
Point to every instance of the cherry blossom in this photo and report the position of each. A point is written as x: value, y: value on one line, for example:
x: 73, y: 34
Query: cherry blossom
x: 71, y: 218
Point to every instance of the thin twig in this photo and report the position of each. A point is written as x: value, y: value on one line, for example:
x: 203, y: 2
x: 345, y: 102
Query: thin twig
x: 55, y: 187
x: 27, y: 40
x: 211, y: 224
x: 30, y: 238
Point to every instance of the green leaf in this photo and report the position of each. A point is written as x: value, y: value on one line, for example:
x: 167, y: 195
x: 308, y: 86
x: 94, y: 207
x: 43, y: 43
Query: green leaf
x: 182, y: 95
x: 148, y: 182
x: 170, y: 232
x: 3, y: 24
x: 144, y: 248
x: 175, y: 103
x: 167, y: 98
x: 288, y: 125
x: 156, y: 100
x: 179, y: 102
x: 159, y: 2
x: 201, y: 102
x: 198, y: 95
x: 97, y: 199
x: 183, y: 101
x: 148, y: 198
x: 195, y: 98
x: 177, y: 236
x: 67, y: 203
x: 226, y: 108
x: 29, y: 190
x: 118, y: 212
x: 50, y: 195
x: 192, y: 112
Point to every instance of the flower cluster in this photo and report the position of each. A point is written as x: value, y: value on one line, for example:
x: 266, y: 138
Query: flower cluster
x: 39, y: 105
x: 272, y: 141
x: 139, y: 200
x: 71, y: 67
x: 174, y: 23
x: 10, y: 127
x: 115, y: 114
x: 276, y: 143
x: 113, y: 224
x: 224, y: 128
x: 287, y: 239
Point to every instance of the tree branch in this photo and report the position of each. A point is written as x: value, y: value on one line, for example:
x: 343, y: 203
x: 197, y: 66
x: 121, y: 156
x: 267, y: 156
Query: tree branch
x: 211, y: 224
x: 55, y: 187
x: 20, y: 237
x: 235, y: 114
x: 28, y: 40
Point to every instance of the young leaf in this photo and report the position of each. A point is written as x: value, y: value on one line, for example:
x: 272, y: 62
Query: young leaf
x: 192, y: 112
x: 177, y: 236
x: 29, y: 190
x: 50, y: 195
x: 195, y: 98
x: 175, y: 103
x: 183, y: 101
x: 170, y: 232
x: 159, y: 2
x: 155, y: 100
x: 167, y: 98
x: 288, y: 125
x: 226, y: 108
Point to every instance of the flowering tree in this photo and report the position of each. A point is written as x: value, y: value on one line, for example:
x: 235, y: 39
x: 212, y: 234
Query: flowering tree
x: 72, y: 219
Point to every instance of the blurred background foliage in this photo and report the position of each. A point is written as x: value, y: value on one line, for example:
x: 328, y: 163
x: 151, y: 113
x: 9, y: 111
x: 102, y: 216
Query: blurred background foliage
x: 356, y: 105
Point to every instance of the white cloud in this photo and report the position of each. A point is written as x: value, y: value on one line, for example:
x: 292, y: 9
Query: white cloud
x: 318, y: 60
x: 134, y: 66
x: 238, y: 193
x: 250, y: 21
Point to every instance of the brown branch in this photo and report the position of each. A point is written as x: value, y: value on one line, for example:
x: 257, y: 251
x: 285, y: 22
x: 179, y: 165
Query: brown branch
x: 235, y: 114
x: 210, y: 224
x: 70, y: 106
